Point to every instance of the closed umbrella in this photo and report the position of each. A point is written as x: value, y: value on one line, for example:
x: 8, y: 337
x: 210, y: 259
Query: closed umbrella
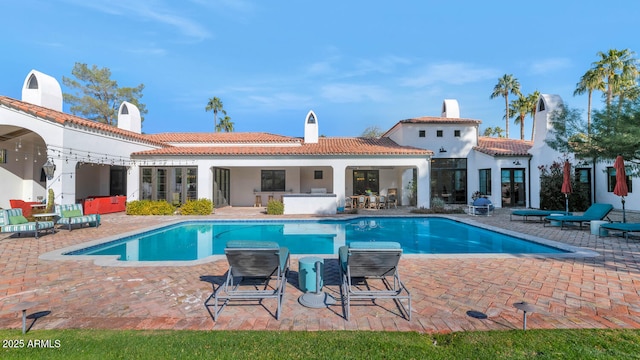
x: 621, y: 188
x: 566, y: 183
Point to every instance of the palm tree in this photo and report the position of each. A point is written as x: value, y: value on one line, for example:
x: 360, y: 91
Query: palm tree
x: 215, y: 105
x: 614, y: 68
x: 532, y: 100
x: 225, y: 124
x: 589, y: 82
x: 506, y: 84
x: 520, y: 107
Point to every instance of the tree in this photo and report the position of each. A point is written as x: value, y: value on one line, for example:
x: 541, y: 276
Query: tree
x: 97, y: 97
x: 532, y: 100
x: 506, y: 85
x: 372, y: 132
x: 215, y: 105
x: 225, y: 124
x: 589, y: 82
x: 497, y: 131
x: 520, y: 107
x: 613, y: 69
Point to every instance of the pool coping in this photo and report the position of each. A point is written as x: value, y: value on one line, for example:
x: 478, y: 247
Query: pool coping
x: 112, y: 260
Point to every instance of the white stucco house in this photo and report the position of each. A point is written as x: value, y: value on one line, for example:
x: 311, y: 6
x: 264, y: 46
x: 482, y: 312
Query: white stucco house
x: 418, y: 159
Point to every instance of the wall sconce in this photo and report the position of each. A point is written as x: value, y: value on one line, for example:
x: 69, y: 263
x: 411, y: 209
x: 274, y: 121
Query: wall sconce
x: 442, y: 149
x: 49, y: 169
x: 517, y: 163
x: 583, y: 163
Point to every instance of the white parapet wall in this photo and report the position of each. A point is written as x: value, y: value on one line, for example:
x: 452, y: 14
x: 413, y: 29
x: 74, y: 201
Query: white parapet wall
x: 315, y: 204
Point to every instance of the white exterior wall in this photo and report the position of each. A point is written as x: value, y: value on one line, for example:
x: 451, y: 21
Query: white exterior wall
x: 541, y: 153
x: 456, y: 147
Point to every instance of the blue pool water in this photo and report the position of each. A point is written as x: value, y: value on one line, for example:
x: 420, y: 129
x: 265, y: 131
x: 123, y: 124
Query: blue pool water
x: 426, y: 235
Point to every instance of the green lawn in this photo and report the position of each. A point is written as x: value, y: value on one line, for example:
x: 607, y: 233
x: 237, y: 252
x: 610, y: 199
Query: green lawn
x: 514, y: 344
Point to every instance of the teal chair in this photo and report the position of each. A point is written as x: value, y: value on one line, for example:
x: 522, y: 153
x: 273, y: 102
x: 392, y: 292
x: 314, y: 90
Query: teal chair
x: 369, y: 271
x: 72, y: 214
x: 257, y: 270
x: 12, y: 221
x: 594, y: 212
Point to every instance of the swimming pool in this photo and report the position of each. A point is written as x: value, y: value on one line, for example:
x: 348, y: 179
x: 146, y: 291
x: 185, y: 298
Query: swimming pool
x: 193, y: 240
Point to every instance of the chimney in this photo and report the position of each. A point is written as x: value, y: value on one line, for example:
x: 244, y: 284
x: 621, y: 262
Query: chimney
x: 311, y: 128
x: 129, y: 117
x: 43, y: 90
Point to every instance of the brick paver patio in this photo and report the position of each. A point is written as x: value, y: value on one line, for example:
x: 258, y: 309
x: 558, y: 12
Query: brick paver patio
x: 595, y: 292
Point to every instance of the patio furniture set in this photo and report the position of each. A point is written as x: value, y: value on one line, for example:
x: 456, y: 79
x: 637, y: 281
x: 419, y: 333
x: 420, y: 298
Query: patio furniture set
x: 14, y: 220
x: 595, y: 216
x: 258, y: 270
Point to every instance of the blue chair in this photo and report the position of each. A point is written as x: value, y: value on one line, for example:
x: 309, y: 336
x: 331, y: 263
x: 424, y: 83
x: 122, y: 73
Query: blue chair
x: 252, y: 265
x: 72, y: 214
x: 594, y: 212
x: 525, y: 213
x: 12, y: 221
x: 623, y: 228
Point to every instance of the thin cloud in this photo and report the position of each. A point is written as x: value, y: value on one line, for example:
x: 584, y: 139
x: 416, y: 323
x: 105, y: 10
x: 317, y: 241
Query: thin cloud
x: 549, y: 65
x: 154, y: 11
x: 450, y: 73
x: 349, y: 93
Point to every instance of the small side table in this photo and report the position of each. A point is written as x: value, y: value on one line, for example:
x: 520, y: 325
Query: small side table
x: 46, y: 215
x: 310, y: 270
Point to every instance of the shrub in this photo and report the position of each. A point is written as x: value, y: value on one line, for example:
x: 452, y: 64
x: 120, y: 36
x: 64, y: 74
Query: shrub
x: 148, y: 207
x: 437, y: 203
x: 275, y: 207
x: 197, y: 207
x: 551, y: 196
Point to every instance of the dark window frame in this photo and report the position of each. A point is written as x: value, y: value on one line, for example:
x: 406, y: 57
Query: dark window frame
x: 273, y: 180
x: 611, y: 180
x: 422, y: 133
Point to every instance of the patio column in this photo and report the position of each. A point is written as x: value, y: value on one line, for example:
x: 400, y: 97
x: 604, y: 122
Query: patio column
x: 424, y: 185
x: 339, y: 174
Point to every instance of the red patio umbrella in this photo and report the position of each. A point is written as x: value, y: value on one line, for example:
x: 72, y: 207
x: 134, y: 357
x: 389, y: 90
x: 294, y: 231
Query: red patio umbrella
x: 566, y: 183
x: 621, y: 183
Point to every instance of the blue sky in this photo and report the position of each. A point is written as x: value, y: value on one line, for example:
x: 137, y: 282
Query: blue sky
x: 355, y: 63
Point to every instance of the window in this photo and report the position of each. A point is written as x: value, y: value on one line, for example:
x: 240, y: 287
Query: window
x: 317, y: 175
x: 311, y: 119
x: 272, y: 180
x: 541, y: 105
x: 365, y: 180
x: 484, y: 181
x: 422, y: 133
x: 456, y: 133
x: 439, y: 133
x: 449, y: 180
x: 611, y: 180
x: 173, y: 184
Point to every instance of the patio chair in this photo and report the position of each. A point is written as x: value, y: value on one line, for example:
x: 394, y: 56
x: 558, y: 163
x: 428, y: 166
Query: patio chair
x: 594, y: 212
x: 12, y: 221
x: 253, y: 265
x: 369, y: 271
x: 362, y: 201
x: 623, y: 228
x: 382, y: 202
x: 373, y: 202
x: 72, y: 214
x: 541, y: 214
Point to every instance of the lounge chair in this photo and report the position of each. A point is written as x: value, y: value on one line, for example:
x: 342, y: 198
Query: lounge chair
x: 541, y: 214
x: 623, y: 228
x: 361, y: 262
x: 12, y: 221
x: 252, y: 266
x: 72, y: 214
x: 594, y: 212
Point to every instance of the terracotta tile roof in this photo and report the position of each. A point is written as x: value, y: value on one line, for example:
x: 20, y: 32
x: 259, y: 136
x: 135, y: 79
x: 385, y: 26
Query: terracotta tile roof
x: 68, y: 119
x: 503, y: 147
x: 325, y: 146
x: 223, y: 138
x: 439, y: 120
